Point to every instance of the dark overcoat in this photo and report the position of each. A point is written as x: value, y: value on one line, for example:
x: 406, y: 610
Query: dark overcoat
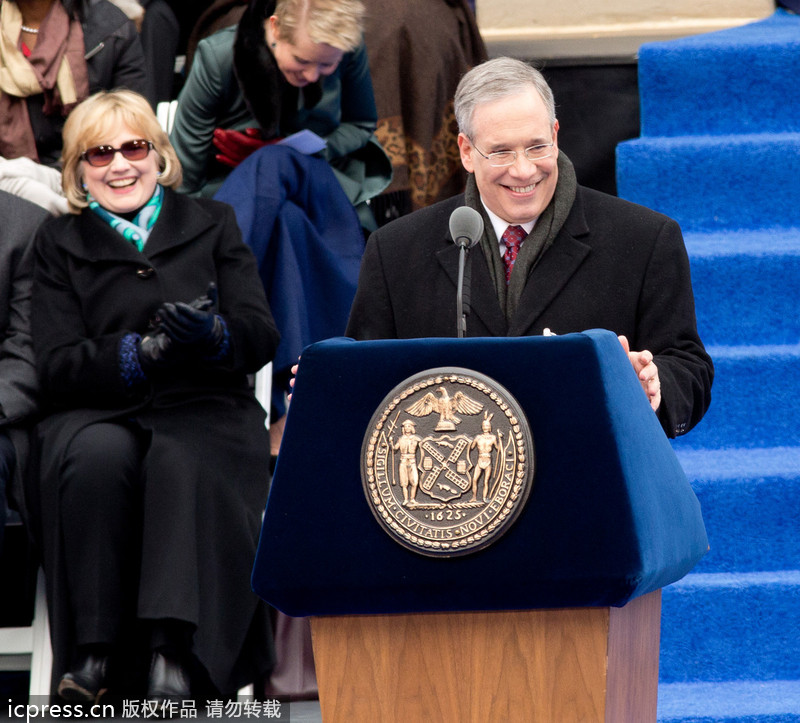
x: 205, y: 470
x: 19, y: 220
x: 613, y: 265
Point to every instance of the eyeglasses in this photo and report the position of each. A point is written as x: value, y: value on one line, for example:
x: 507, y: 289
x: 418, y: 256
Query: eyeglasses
x: 498, y: 159
x: 100, y: 156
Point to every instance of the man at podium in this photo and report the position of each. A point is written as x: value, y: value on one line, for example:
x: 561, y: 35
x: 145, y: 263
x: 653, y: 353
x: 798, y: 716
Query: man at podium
x: 551, y: 254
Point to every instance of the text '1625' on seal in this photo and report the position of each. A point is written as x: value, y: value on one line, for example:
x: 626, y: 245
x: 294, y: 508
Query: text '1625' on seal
x: 447, y: 462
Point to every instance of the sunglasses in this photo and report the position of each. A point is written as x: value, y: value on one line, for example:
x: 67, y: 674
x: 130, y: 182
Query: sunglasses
x: 99, y: 156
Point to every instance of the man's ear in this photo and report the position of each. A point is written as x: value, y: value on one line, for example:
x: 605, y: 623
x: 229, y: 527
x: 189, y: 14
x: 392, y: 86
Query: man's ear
x: 466, y: 149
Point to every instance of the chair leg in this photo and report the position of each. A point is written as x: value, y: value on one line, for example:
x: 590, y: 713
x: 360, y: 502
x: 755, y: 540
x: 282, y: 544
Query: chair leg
x: 42, y: 653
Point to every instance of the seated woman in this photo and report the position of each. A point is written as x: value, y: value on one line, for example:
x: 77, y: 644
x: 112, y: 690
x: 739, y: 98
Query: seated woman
x: 53, y: 54
x: 289, y: 65
x: 147, y: 316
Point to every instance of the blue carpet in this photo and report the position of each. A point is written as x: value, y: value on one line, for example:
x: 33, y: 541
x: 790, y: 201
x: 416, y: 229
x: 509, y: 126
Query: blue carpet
x: 731, y: 81
x: 712, y: 182
x: 720, y: 152
x: 765, y: 702
x: 751, y: 402
x: 733, y: 626
x: 733, y: 483
x: 734, y: 273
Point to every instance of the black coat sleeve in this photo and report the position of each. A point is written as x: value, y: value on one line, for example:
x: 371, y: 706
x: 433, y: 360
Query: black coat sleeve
x: 666, y: 324
x: 371, y: 314
x: 18, y: 383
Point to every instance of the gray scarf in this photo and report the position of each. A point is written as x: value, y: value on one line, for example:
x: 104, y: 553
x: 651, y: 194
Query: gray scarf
x: 535, y: 243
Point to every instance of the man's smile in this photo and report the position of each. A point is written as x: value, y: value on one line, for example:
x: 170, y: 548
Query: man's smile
x: 523, y: 189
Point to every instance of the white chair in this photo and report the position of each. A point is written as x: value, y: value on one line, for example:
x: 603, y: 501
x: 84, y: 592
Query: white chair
x: 263, y: 389
x: 165, y: 112
x: 28, y: 648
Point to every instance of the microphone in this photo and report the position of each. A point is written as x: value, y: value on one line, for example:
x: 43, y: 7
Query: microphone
x: 466, y: 228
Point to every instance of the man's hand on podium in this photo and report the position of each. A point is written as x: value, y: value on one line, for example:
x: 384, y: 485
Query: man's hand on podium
x: 646, y: 370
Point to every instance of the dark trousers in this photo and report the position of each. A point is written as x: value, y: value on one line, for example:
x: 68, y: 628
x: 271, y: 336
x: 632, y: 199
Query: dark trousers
x: 100, y: 508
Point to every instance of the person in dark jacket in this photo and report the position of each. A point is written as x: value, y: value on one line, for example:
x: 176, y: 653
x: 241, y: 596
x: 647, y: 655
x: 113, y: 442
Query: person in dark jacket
x: 160, y: 35
x: 148, y: 315
x: 53, y: 54
x: 552, y: 255
x: 19, y: 219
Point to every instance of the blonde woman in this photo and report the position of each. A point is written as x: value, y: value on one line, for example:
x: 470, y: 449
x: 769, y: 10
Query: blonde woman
x: 148, y: 315
x: 289, y: 65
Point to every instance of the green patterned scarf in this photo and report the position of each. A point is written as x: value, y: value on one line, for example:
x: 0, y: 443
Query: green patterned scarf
x: 137, y: 231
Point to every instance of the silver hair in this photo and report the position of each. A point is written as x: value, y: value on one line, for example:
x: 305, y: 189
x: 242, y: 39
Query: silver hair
x: 496, y: 79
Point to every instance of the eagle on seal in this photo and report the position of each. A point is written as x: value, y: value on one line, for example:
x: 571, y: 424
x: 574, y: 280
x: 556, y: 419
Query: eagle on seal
x: 446, y: 407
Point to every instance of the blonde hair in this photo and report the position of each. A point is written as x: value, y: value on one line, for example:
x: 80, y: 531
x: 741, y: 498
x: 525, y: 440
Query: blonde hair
x: 338, y: 23
x: 99, y: 118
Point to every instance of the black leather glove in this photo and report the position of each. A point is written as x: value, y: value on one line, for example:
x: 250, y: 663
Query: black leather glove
x: 194, y: 324
x: 208, y: 301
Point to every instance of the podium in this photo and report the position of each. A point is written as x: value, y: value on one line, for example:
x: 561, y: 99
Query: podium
x: 558, y: 619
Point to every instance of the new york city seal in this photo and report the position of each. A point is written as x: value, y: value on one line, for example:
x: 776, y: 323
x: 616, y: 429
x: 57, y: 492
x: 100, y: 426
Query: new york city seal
x: 447, y: 462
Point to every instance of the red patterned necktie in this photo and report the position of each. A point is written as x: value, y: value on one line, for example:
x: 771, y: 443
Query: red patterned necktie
x: 512, y: 238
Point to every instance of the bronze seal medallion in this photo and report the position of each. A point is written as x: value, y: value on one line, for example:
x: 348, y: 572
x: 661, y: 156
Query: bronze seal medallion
x: 447, y: 462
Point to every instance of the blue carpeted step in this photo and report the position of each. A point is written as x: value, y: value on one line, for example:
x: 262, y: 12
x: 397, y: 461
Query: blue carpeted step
x: 730, y: 644
x: 711, y: 183
x: 753, y: 402
x: 718, y: 627
x: 741, y: 80
x: 751, y: 506
x: 744, y: 284
x: 750, y: 701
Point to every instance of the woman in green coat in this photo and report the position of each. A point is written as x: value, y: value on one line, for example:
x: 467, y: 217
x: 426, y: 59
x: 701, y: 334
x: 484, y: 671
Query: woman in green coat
x: 289, y: 65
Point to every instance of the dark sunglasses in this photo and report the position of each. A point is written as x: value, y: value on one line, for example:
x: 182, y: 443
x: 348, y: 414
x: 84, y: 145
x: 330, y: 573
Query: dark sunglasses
x: 103, y: 155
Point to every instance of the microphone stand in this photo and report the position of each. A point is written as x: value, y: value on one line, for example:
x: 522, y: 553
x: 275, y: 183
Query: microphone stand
x: 466, y: 227
x: 462, y: 289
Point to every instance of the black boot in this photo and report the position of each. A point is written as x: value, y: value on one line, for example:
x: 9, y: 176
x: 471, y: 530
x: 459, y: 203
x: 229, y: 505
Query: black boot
x: 87, y: 680
x: 169, y: 679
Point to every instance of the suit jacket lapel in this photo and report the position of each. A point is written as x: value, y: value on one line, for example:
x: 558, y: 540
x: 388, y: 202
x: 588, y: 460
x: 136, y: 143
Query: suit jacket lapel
x: 553, y: 271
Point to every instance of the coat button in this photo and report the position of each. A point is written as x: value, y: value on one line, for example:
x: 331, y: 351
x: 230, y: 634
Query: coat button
x: 145, y: 273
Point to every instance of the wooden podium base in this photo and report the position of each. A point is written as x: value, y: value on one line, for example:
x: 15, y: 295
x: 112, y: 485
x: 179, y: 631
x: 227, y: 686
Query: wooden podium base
x: 548, y: 666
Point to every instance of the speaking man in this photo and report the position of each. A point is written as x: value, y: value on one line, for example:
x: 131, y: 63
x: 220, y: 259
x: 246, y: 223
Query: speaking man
x: 552, y: 254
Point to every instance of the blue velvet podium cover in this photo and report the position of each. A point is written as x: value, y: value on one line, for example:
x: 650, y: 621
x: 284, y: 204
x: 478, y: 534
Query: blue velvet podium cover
x: 611, y: 515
